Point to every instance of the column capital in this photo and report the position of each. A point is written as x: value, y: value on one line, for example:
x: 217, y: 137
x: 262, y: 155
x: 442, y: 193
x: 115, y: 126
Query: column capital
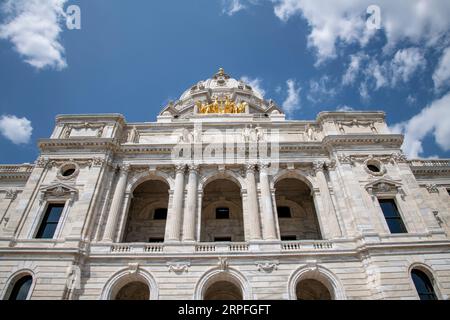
x: 318, y: 166
x: 263, y: 166
x: 193, y: 167
x: 250, y: 167
x: 180, y: 168
x: 124, y: 168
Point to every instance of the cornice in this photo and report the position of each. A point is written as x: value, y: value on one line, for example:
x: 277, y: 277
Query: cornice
x: 16, y: 172
x: 79, y: 143
x: 393, y: 140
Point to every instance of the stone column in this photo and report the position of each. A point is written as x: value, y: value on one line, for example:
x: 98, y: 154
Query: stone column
x: 331, y: 224
x: 255, y: 229
x: 268, y: 220
x: 191, y: 205
x: 114, y: 211
x: 173, y: 227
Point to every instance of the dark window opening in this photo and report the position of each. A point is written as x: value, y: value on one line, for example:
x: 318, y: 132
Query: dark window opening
x: 160, y: 214
x: 222, y: 239
x: 284, y: 212
x: 423, y: 285
x: 50, y: 221
x: 288, y: 238
x: 21, y: 288
x: 373, y: 168
x: 68, y: 172
x: 156, y: 240
x: 222, y: 213
x: 392, y: 216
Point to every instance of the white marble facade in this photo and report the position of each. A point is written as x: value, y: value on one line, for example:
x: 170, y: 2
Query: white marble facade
x: 286, y: 209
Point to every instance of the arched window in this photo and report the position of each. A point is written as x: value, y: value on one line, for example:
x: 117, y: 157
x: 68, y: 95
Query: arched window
x: 423, y: 285
x: 21, y: 288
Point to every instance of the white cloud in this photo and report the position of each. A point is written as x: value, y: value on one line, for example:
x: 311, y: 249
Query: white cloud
x: 33, y: 26
x: 344, y: 108
x: 411, y: 99
x: 434, y: 119
x: 441, y: 75
x: 405, y: 63
x: 255, y: 83
x: 364, y: 91
x: 378, y: 72
x: 353, y: 68
x: 231, y: 7
x: 419, y: 21
x: 17, y: 130
x: 319, y: 90
x: 292, y: 101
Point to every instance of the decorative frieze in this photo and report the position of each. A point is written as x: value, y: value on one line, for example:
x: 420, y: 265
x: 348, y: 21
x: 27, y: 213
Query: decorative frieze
x: 267, y: 266
x: 178, y: 267
x: 223, y: 263
x: 432, y: 188
x: 11, y: 194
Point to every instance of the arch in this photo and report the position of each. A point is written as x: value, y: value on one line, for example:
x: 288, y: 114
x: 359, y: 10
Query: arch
x: 227, y: 175
x: 126, y: 276
x: 220, y: 192
x: 304, y: 223
x: 140, y: 178
x: 139, y: 225
x: 428, y: 271
x: 229, y: 275
x: 293, y: 174
x: 319, y: 273
x: 12, y: 280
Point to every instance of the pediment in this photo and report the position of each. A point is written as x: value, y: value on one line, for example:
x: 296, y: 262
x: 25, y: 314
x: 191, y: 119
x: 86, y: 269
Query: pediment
x: 59, y: 191
x: 383, y: 185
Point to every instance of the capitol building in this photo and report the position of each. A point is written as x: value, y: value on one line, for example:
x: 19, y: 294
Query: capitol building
x: 224, y: 198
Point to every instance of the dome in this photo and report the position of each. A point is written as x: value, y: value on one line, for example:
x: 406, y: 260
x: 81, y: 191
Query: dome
x: 219, y: 95
x: 221, y: 82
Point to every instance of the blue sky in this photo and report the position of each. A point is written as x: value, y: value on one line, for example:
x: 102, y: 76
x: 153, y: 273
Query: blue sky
x: 309, y: 56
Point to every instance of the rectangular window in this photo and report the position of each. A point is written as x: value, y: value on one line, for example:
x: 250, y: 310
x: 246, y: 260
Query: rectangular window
x: 160, y: 214
x: 222, y: 239
x: 284, y: 212
x: 288, y: 238
x: 156, y: 240
x: 50, y: 221
x: 392, y: 216
x: 222, y: 213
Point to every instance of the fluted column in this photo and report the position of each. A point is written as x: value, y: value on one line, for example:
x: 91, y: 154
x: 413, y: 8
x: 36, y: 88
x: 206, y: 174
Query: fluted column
x: 268, y: 220
x: 253, y: 212
x: 173, y: 227
x: 191, y: 205
x: 114, y: 211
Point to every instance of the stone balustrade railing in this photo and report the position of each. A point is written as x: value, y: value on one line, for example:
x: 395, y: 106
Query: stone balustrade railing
x: 305, y: 245
x: 217, y: 247
x: 11, y: 168
x: 430, y: 163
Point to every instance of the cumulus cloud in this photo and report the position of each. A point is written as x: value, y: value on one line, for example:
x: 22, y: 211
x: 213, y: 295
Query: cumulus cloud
x: 320, y: 90
x: 17, y: 130
x: 230, y: 7
x: 433, y: 119
x: 405, y: 63
x: 292, y: 101
x: 33, y: 27
x: 344, y: 108
x: 353, y: 68
x: 344, y: 21
x: 441, y: 75
x: 255, y: 83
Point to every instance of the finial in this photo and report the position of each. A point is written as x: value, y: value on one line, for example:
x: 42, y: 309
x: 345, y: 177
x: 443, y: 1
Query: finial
x: 221, y: 71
